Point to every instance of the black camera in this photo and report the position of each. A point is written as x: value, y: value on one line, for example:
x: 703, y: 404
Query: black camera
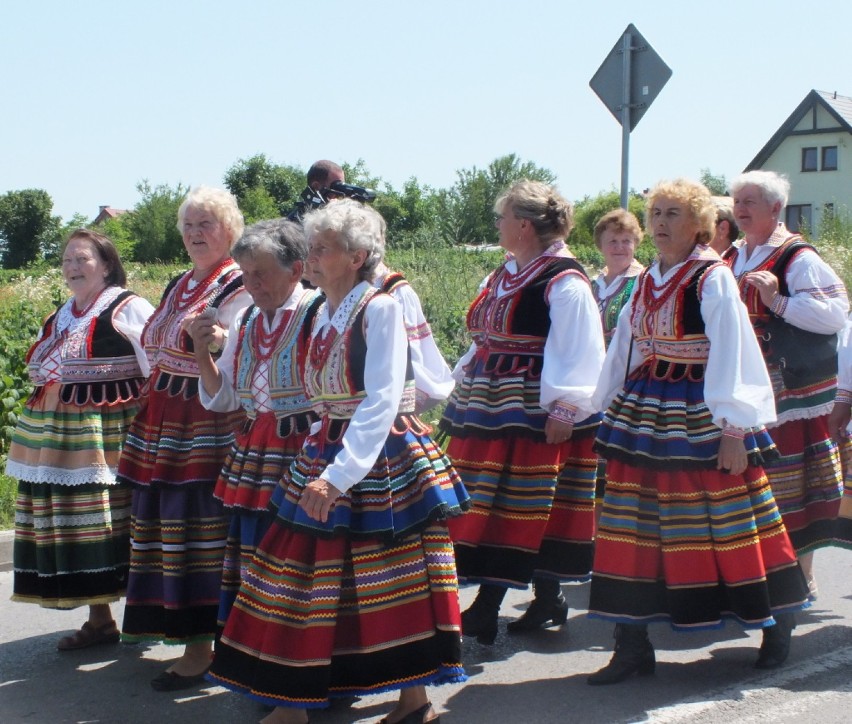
x: 312, y: 199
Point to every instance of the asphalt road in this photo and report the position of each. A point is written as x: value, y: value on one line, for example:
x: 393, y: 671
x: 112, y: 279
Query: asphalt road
x: 701, y: 678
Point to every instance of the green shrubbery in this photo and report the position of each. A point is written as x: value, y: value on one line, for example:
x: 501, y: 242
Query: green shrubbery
x: 445, y: 277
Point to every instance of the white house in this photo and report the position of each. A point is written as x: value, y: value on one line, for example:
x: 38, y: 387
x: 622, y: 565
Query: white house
x: 813, y: 149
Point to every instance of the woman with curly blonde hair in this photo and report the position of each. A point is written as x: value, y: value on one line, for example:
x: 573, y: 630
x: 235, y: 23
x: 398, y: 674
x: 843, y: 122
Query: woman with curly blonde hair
x: 689, y: 533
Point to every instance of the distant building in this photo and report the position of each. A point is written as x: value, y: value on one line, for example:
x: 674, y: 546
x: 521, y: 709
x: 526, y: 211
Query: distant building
x: 813, y: 148
x: 107, y: 212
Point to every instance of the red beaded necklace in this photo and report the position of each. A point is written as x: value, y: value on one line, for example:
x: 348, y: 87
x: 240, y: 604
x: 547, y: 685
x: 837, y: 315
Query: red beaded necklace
x: 263, y: 342
x: 321, y: 348
x: 185, y: 298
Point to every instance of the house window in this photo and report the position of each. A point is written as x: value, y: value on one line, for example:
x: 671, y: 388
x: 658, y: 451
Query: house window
x: 798, y: 218
x: 829, y: 158
x: 809, y: 159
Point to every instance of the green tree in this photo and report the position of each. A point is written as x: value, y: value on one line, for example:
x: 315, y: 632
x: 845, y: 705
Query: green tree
x: 466, y: 211
x: 153, y: 223
x: 718, y: 185
x: 257, y: 205
x: 26, y: 225
x: 52, y: 245
x: 116, y: 229
x: 283, y: 184
x: 589, y: 210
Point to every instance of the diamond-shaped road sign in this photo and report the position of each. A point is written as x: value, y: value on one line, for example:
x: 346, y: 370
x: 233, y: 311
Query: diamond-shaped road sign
x: 648, y: 74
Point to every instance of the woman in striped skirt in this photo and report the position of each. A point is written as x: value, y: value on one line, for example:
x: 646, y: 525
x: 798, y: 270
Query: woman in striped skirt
x: 690, y: 533
x: 521, y: 419
x: 72, y: 520
x: 261, y: 371
x: 175, y: 450
x: 783, y: 282
x: 352, y: 590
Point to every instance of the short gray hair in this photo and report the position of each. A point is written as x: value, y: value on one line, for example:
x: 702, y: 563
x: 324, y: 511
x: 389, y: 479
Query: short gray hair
x: 773, y: 186
x: 357, y: 227
x: 280, y: 238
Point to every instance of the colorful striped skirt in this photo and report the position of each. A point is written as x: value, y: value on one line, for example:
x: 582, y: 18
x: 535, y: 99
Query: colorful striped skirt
x: 63, y: 444
x: 843, y: 522
x: 665, y: 423
x: 411, y: 484
x: 174, y: 439
x: 72, y: 544
x: 72, y: 520
x: 692, y: 548
x: 178, y: 543
x: 253, y: 469
x: 318, y: 618
x: 533, y: 509
x: 807, y: 482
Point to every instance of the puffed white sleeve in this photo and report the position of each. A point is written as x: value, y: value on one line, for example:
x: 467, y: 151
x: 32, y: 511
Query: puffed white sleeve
x: 227, y: 312
x: 384, y: 379
x: 225, y: 399
x: 818, y: 300
x: 432, y: 376
x: 619, y: 356
x: 573, y: 351
x: 737, y: 388
x: 129, y: 320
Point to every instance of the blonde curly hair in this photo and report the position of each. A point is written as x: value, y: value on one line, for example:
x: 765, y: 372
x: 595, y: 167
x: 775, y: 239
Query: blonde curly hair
x: 695, y: 198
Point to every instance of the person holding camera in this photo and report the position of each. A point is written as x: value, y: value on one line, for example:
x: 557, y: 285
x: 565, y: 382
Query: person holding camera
x: 321, y: 175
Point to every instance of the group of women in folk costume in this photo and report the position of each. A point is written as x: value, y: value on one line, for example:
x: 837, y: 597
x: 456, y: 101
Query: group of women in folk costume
x: 281, y: 477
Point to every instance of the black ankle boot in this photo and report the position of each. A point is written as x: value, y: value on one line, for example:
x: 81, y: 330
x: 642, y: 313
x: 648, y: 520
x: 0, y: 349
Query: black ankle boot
x: 548, y: 607
x: 775, y: 647
x: 480, y: 619
x: 633, y: 654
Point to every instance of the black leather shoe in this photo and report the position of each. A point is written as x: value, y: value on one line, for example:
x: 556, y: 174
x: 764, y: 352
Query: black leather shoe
x: 775, y: 647
x: 634, y: 654
x: 479, y: 622
x: 541, y: 613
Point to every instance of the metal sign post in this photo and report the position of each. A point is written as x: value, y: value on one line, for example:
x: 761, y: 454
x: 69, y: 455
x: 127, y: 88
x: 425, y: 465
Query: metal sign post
x: 632, y: 71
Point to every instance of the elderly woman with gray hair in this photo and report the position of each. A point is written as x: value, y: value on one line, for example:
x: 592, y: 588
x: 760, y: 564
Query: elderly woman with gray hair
x: 260, y: 371
x: 352, y: 590
x: 797, y: 305
x: 175, y: 449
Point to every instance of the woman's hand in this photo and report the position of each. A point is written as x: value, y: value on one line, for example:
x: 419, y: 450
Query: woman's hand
x: 766, y: 284
x: 207, y: 336
x: 556, y: 431
x: 838, y: 421
x: 732, y: 455
x: 318, y: 498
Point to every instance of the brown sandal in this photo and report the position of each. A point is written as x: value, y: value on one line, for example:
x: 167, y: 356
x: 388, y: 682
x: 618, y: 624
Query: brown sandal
x: 88, y: 636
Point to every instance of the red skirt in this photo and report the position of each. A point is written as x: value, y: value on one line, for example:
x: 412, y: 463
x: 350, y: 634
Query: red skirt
x: 807, y: 481
x: 692, y: 548
x: 325, y: 617
x: 533, y: 509
x: 173, y: 439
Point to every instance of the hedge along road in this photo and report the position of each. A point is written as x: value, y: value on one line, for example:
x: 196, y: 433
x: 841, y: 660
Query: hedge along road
x: 704, y: 677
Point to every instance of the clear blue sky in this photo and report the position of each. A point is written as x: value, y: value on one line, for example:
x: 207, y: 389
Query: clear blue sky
x: 98, y: 95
